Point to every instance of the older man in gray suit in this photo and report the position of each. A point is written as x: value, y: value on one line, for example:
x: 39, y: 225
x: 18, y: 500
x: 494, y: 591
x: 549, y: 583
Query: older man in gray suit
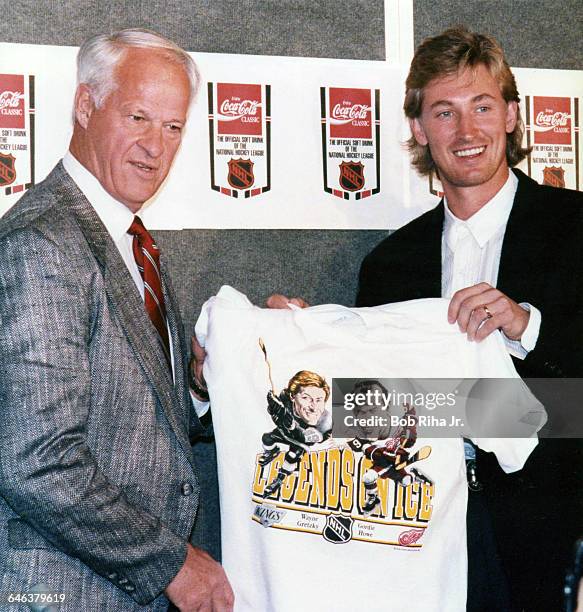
x: 98, y: 489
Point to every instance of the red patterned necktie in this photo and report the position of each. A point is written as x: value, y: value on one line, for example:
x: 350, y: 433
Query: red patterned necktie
x: 147, y: 257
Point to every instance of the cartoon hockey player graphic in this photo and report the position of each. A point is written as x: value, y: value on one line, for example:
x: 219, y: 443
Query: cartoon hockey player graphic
x: 388, y: 450
x: 301, y: 421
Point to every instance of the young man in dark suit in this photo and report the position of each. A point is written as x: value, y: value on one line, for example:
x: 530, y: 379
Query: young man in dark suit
x: 509, y: 254
x: 98, y: 487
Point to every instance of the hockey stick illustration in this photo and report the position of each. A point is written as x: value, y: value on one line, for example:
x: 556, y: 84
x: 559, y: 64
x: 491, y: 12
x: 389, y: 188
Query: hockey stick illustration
x: 421, y: 454
x: 264, y: 349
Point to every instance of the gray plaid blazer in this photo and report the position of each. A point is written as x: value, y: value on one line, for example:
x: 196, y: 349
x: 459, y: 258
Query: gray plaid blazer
x: 98, y: 489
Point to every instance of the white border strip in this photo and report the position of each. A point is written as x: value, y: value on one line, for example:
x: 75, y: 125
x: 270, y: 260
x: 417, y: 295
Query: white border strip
x: 399, y: 44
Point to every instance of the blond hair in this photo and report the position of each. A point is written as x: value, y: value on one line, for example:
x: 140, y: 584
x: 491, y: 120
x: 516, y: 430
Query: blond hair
x: 303, y: 379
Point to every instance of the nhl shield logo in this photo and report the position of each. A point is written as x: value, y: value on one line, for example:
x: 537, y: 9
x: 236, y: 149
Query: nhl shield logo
x: 338, y: 529
x: 351, y: 176
x: 7, y: 170
x: 554, y: 176
x: 240, y: 173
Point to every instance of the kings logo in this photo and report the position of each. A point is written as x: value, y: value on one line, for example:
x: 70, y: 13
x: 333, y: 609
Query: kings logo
x: 7, y: 171
x: 268, y: 514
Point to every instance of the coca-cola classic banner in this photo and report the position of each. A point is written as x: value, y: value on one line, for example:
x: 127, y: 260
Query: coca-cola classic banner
x: 551, y: 108
x: 351, y: 144
x: 239, y: 130
x: 552, y: 124
x: 16, y: 133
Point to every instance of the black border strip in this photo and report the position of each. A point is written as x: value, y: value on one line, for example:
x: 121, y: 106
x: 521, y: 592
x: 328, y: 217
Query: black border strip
x: 528, y: 133
x: 577, y: 137
x: 212, y: 135
x: 377, y: 101
x: 31, y: 119
x: 323, y: 121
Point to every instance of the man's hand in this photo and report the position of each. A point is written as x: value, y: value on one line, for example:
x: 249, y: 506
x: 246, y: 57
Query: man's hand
x: 281, y: 301
x: 195, y: 365
x: 281, y: 417
x: 201, y: 584
x: 481, y: 309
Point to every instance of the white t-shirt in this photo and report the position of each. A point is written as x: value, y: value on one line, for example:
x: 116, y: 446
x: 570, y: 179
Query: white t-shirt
x: 310, y: 546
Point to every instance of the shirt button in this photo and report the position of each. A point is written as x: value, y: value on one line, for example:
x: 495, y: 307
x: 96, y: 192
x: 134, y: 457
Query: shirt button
x: 129, y: 588
x: 112, y: 576
x: 187, y: 488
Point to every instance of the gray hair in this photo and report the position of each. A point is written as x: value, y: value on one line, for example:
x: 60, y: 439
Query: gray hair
x: 99, y: 55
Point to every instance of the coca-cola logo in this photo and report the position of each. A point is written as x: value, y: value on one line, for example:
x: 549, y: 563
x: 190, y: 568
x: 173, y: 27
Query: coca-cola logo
x: 348, y: 113
x: 236, y: 109
x: 551, y: 120
x: 10, y: 99
x: 240, y: 108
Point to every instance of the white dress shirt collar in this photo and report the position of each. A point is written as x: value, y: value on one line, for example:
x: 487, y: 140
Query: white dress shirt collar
x: 116, y: 217
x: 485, y: 223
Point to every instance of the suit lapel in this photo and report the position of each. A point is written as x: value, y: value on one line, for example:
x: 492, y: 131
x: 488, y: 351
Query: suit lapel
x: 128, y: 306
x: 522, y: 247
x: 176, y: 331
x: 429, y: 252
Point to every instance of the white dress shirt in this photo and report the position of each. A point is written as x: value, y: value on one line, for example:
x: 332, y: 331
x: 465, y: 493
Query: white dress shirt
x: 117, y: 218
x: 471, y: 251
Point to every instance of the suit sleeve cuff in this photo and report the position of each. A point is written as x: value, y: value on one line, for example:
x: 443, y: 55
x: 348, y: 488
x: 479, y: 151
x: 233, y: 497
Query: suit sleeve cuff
x: 521, y: 348
x: 200, y: 407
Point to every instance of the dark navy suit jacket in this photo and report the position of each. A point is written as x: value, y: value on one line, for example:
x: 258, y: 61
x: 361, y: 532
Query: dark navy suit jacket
x: 537, y: 512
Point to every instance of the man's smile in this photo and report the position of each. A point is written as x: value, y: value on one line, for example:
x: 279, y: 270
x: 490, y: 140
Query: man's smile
x: 470, y: 152
x: 143, y: 167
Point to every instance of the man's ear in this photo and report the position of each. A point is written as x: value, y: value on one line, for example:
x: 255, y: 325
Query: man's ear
x: 418, y: 131
x: 511, y: 116
x: 84, y: 105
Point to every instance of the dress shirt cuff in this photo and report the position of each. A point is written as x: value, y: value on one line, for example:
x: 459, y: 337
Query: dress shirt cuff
x: 521, y: 348
x: 200, y: 407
